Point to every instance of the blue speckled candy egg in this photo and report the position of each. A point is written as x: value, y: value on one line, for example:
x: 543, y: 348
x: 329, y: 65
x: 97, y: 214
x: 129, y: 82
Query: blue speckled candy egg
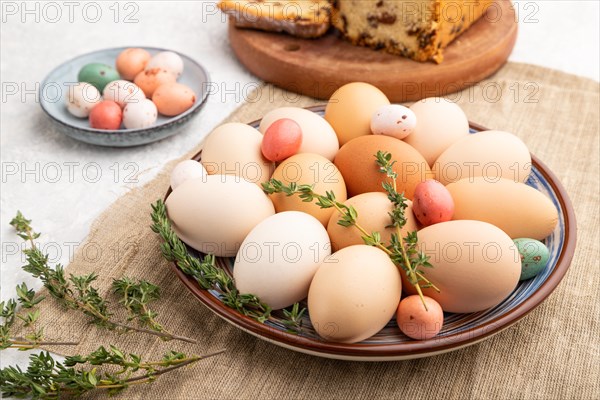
x: 534, y: 257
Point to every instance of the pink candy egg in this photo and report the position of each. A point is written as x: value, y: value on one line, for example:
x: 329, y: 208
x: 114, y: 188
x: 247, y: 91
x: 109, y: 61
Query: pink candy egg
x: 281, y: 140
x: 106, y: 115
x: 432, y: 203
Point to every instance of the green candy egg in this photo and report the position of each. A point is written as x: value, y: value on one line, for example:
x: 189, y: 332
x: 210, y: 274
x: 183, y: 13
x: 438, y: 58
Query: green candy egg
x: 534, y: 257
x: 97, y: 74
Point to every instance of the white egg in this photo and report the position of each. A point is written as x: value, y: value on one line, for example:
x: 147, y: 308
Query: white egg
x: 186, y: 170
x: 123, y: 92
x: 81, y: 98
x: 279, y: 258
x: 168, y: 60
x: 216, y: 213
x: 140, y: 114
x: 393, y: 120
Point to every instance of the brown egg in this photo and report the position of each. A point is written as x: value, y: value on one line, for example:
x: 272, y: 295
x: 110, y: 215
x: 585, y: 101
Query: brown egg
x: 151, y: 79
x: 350, y: 109
x: 173, y: 98
x: 356, y: 161
x: 131, y: 61
x: 373, y: 215
x: 310, y: 169
x: 517, y: 209
x: 475, y: 265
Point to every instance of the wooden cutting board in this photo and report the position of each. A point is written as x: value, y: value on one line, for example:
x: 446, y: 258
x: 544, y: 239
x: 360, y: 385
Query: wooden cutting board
x: 318, y: 67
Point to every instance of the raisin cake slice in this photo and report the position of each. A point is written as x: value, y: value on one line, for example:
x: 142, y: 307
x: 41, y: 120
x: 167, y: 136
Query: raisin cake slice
x: 418, y: 29
x: 301, y: 18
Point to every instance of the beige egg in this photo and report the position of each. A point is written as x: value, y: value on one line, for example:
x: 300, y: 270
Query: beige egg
x: 475, y: 265
x: 234, y: 149
x: 318, y: 136
x: 373, y: 215
x: 517, y: 209
x: 280, y: 256
x: 357, y: 163
x: 309, y: 169
x: 492, y: 154
x: 440, y: 123
x: 354, y: 294
x: 215, y: 213
x: 350, y: 109
x: 173, y: 99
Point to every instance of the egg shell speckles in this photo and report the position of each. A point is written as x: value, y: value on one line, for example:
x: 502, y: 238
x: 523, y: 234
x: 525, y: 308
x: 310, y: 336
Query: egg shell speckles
x: 172, y: 99
x: 123, y: 92
x: 149, y: 80
x: 393, y: 120
x: 534, y: 257
x: 81, y: 98
x: 139, y: 115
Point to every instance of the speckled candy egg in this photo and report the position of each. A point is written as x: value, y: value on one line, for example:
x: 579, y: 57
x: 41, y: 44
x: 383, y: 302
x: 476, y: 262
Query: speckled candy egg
x: 393, y: 120
x: 98, y: 75
x: 172, y: 99
x: 131, y: 62
x: 151, y: 79
x: 186, y: 170
x: 168, y: 60
x: 534, y: 257
x: 123, y: 92
x: 140, y: 114
x: 81, y: 98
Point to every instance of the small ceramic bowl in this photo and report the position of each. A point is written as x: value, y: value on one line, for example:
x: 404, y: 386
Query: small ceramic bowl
x: 458, y: 331
x: 54, y: 90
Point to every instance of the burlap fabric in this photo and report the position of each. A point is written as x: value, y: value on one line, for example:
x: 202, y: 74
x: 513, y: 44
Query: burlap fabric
x: 553, y: 353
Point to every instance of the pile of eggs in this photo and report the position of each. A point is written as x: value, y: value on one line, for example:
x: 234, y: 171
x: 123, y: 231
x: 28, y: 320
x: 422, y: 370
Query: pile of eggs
x: 133, y: 94
x: 476, y: 219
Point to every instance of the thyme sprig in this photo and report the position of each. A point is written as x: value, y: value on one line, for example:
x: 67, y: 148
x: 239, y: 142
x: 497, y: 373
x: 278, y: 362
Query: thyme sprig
x: 28, y: 316
x: 76, y: 292
x: 405, y: 251
x: 293, y: 318
x: 205, y: 271
x: 210, y: 277
x: 402, y: 251
x: 46, y: 378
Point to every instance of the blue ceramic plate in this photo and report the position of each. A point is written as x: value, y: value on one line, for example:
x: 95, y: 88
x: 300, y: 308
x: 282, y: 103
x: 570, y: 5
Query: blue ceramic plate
x: 54, y: 90
x: 459, y: 330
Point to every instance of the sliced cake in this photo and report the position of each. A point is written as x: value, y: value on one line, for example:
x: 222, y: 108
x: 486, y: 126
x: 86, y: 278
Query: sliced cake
x: 419, y: 29
x: 301, y: 18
